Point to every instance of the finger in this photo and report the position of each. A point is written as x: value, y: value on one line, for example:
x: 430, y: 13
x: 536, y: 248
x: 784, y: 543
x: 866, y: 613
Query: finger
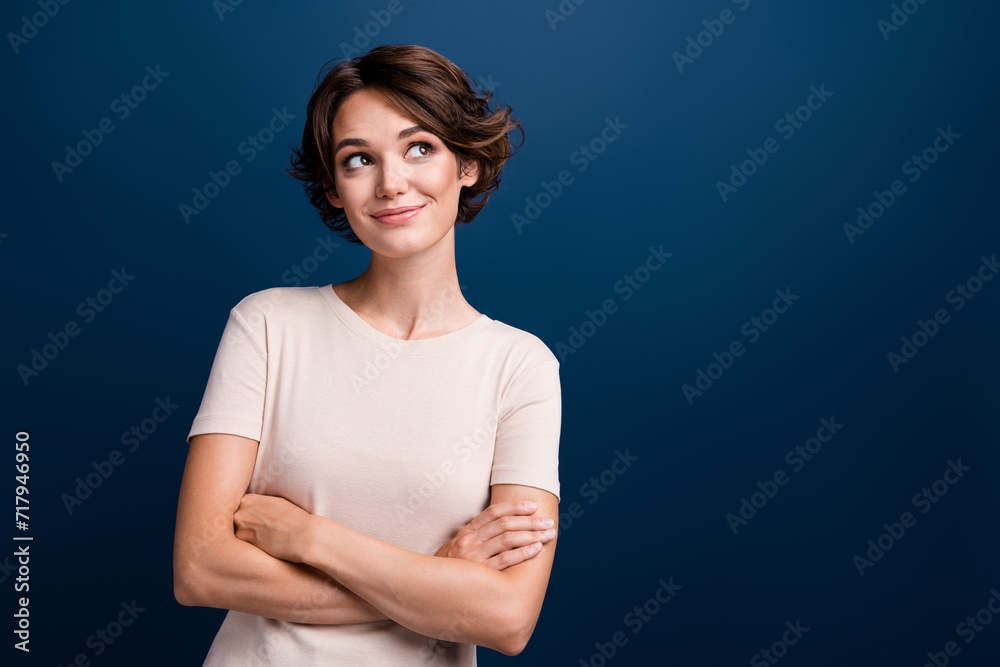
x: 510, y: 541
x: 507, y: 524
x: 514, y: 556
x: 510, y: 507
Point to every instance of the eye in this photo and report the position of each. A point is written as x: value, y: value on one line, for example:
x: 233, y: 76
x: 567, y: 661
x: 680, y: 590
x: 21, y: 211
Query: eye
x: 420, y: 149
x: 356, y: 160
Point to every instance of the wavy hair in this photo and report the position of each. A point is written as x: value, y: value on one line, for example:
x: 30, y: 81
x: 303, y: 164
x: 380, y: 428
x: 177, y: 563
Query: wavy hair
x: 424, y: 86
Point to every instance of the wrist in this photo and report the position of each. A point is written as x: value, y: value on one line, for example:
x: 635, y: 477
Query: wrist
x: 309, y: 542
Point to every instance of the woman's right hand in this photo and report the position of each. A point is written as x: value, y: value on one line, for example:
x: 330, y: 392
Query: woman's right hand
x: 502, y: 535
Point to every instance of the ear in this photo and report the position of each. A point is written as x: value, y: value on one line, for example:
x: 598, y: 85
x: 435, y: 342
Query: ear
x: 331, y: 196
x: 469, y: 173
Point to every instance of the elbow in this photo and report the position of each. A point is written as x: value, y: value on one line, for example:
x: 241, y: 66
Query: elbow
x: 512, y: 647
x: 513, y: 642
x: 518, y: 638
x: 517, y: 629
x: 187, y: 582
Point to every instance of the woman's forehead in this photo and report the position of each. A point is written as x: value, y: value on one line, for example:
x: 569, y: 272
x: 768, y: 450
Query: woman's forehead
x: 370, y: 111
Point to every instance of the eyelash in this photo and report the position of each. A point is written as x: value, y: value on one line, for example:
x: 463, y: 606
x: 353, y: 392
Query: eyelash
x: 347, y: 160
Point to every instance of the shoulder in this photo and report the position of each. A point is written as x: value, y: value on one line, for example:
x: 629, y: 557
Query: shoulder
x: 276, y: 302
x: 524, y: 350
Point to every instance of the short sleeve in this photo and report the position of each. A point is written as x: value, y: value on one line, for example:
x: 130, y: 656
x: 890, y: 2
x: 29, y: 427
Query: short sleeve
x: 234, y: 396
x: 527, y: 439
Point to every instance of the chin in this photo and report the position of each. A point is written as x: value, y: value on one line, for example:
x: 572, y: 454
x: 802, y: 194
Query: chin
x: 390, y: 243
x: 402, y: 242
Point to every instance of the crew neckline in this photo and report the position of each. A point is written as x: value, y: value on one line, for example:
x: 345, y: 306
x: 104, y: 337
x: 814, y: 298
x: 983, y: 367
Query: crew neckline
x: 359, y: 326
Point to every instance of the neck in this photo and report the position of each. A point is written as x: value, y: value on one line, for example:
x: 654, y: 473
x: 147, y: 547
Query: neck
x: 417, y: 296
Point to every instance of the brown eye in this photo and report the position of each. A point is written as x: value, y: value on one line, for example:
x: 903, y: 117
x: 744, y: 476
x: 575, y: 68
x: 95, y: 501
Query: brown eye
x: 357, y: 160
x: 423, y: 149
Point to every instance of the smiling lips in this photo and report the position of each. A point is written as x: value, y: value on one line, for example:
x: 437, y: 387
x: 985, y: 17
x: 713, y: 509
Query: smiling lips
x: 395, y: 216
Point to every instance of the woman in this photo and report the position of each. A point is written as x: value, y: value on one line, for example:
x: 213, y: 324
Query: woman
x: 387, y: 453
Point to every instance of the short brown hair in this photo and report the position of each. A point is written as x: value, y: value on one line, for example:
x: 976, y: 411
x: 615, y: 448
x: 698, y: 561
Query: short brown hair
x: 422, y: 85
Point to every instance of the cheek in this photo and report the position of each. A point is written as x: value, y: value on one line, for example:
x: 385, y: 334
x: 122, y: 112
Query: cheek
x: 351, y: 192
x: 442, y: 179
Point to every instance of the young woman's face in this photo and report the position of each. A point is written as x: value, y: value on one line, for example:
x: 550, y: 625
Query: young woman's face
x: 398, y: 184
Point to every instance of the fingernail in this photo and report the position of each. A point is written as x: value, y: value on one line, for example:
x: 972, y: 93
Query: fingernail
x: 547, y: 522
x: 551, y: 532
x: 531, y: 505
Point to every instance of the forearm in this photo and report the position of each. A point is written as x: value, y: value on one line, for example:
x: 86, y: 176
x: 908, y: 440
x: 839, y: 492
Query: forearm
x: 449, y: 599
x: 232, y: 574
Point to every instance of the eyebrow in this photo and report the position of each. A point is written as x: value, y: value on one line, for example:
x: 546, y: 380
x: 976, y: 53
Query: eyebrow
x: 361, y: 142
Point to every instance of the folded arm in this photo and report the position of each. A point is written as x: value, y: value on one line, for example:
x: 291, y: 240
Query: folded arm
x: 213, y: 568
x: 446, y: 598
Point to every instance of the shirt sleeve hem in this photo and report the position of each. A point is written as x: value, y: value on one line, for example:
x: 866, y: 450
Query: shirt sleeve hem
x: 228, y: 425
x: 526, y: 478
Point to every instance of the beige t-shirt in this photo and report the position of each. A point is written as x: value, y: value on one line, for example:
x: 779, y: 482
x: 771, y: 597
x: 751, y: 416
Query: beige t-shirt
x: 397, y: 439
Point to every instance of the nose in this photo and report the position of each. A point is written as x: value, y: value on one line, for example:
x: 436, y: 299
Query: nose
x: 391, y: 180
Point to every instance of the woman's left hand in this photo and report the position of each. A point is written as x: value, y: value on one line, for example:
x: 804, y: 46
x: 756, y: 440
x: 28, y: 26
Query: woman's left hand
x: 272, y: 524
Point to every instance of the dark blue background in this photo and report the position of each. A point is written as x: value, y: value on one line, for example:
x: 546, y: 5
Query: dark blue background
x: 654, y: 185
